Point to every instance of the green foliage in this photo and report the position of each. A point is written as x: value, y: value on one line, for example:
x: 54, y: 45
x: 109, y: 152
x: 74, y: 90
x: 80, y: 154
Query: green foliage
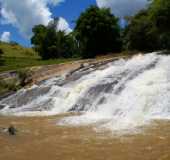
x: 97, y: 32
x: 8, y: 86
x: 17, y: 51
x: 39, y: 32
x: 160, y: 15
x: 51, y: 43
x: 23, y: 76
x: 150, y: 29
x: 141, y: 34
x: 18, y: 57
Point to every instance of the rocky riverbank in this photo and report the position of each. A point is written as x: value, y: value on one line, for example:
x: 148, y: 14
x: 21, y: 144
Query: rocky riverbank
x: 11, y: 81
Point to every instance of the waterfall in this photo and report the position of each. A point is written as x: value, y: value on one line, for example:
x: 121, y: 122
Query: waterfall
x: 121, y: 94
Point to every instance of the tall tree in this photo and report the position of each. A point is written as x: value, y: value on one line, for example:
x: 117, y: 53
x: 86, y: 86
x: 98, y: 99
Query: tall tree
x: 39, y: 34
x: 53, y: 43
x: 141, y: 34
x: 97, y: 32
x: 160, y: 15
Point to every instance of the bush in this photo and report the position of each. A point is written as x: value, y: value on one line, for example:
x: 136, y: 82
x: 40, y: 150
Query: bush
x: 24, y: 76
x: 8, y: 86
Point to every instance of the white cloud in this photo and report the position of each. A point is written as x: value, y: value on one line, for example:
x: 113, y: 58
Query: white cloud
x: 54, y: 2
x: 24, y: 14
x: 123, y: 8
x: 5, y: 37
x: 63, y: 25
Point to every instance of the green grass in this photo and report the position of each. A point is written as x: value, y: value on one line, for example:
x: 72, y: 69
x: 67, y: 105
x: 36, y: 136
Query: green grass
x: 16, y: 57
x: 6, y: 86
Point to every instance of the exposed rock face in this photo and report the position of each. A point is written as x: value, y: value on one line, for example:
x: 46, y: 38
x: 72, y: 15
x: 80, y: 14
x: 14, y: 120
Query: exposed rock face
x: 35, y: 75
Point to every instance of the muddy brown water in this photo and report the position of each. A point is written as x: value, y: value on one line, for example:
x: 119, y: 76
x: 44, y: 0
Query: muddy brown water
x: 39, y: 138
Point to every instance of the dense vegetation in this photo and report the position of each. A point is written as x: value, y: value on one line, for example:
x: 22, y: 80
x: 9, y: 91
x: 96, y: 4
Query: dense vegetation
x: 97, y: 31
x: 149, y: 29
x: 53, y: 43
x: 141, y: 34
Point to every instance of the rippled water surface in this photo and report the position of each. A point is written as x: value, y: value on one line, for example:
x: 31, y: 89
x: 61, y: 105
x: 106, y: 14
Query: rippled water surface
x: 42, y: 139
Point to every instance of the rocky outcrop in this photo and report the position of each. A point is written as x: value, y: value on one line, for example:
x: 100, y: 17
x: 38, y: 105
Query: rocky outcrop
x: 14, y: 80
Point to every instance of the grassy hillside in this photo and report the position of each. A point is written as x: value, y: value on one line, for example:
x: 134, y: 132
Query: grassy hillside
x: 17, y: 57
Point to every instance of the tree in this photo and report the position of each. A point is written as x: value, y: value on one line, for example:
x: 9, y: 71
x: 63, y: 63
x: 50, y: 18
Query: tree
x: 53, y: 43
x: 97, y: 32
x: 160, y: 14
x: 39, y: 33
x: 141, y: 34
x: 150, y: 29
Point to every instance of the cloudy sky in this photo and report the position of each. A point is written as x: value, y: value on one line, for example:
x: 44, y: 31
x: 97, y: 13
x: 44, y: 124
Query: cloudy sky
x: 17, y: 17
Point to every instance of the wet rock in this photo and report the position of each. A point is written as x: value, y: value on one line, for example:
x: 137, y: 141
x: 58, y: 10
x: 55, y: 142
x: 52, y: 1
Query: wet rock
x: 85, y: 64
x: 12, y: 130
x: 81, y: 66
x: 2, y: 106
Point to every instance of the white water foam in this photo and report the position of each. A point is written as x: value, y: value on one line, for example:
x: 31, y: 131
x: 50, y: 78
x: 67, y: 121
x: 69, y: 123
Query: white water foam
x: 138, y: 91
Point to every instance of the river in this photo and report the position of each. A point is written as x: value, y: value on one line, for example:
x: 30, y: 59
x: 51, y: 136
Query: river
x: 119, y: 110
x: 40, y: 138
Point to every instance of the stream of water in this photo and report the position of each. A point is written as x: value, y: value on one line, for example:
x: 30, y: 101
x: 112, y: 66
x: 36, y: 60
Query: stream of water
x: 121, y: 98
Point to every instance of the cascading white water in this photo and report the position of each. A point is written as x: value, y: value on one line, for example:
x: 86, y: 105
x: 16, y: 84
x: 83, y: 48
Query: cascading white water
x: 121, y: 95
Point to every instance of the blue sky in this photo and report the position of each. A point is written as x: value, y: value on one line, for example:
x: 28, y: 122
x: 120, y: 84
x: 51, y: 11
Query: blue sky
x: 71, y: 9
x: 18, y: 17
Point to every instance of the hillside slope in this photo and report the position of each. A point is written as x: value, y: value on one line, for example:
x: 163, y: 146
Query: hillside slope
x: 17, y: 57
x: 22, y: 66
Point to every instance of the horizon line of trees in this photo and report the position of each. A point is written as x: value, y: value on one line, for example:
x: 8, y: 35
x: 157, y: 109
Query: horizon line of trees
x: 97, y: 31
